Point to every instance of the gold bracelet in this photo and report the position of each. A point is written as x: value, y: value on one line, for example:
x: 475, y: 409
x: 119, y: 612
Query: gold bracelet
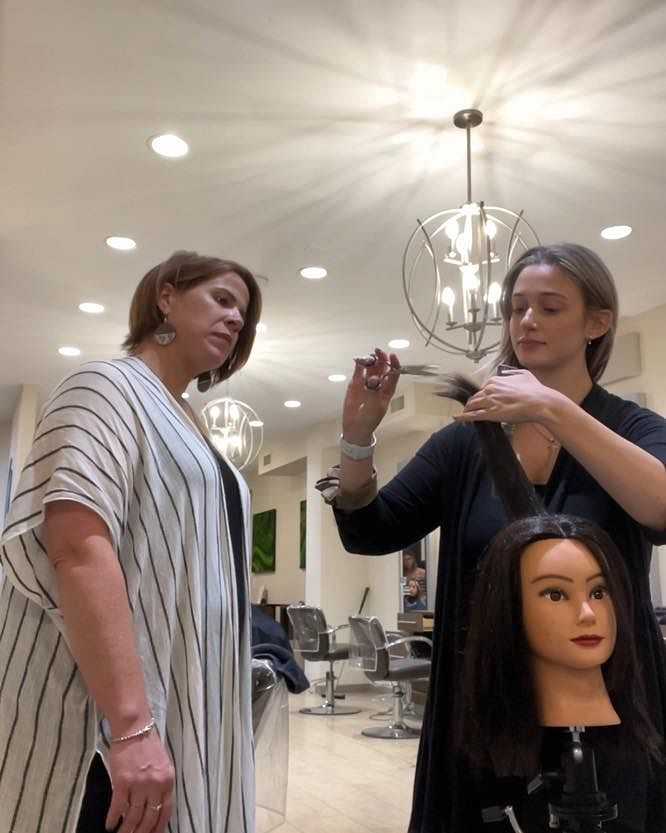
x: 146, y: 730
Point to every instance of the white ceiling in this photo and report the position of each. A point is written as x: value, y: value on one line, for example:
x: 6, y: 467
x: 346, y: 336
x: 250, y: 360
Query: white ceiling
x: 319, y: 131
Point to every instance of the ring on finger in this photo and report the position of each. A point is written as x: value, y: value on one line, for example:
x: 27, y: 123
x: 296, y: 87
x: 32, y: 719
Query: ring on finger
x: 155, y: 807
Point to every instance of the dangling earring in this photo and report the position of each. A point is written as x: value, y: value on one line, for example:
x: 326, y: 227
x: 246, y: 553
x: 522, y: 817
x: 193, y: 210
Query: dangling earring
x: 204, y: 381
x: 589, y: 342
x: 165, y: 333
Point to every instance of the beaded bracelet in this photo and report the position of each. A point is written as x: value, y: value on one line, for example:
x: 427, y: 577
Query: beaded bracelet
x: 146, y: 730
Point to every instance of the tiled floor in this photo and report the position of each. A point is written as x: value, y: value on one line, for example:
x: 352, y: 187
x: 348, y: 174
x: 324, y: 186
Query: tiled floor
x: 341, y: 781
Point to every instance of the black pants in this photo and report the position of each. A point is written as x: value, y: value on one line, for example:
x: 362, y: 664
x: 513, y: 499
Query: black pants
x: 96, y: 799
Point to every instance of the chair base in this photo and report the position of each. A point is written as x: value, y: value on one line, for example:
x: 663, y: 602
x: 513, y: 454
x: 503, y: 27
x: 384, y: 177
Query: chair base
x: 328, y: 710
x: 395, y: 731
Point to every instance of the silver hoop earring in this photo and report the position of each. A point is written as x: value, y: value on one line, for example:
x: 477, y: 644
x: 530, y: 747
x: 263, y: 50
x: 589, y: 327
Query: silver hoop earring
x: 165, y: 333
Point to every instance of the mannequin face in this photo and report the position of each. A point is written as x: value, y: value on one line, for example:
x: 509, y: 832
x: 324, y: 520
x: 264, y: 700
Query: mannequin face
x: 568, y: 615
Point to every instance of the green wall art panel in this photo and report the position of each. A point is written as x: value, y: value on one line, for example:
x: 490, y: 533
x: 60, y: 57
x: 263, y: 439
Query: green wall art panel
x: 302, y: 534
x: 263, y: 542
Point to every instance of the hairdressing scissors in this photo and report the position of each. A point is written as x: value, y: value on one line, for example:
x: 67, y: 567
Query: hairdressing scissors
x: 404, y: 369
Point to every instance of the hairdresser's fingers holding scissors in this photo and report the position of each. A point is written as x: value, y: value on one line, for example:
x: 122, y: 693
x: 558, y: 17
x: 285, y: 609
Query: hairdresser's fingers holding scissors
x: 368, y: 395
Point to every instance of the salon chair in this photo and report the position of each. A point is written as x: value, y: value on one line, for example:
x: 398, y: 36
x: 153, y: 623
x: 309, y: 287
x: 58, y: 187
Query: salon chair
x: 317, y: 642
x: 374, y: 652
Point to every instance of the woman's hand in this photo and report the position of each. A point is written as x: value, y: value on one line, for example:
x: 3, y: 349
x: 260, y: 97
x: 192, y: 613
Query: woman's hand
x: 515, y: 396
x: 368, y: 396
x: 142, y: 777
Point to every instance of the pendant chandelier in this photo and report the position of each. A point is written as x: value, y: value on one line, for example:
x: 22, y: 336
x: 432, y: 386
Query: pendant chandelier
x: 453, y: 264
x: 234, y: 429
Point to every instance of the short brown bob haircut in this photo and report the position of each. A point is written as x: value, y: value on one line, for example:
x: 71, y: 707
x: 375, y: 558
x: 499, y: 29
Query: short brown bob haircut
x: 184, y: 270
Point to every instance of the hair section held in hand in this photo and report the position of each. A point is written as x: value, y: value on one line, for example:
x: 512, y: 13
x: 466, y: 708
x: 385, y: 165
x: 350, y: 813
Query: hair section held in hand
x: 511, y: 483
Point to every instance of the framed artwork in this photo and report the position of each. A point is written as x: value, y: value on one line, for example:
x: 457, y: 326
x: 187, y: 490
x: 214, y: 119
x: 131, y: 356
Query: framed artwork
x: 263, y: 541
x: 302, y: 528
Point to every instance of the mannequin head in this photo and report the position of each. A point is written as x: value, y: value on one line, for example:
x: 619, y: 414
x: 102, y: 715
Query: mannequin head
x: 522, y: 624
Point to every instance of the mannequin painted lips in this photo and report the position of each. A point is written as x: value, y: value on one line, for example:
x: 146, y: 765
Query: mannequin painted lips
x: 590, y: 641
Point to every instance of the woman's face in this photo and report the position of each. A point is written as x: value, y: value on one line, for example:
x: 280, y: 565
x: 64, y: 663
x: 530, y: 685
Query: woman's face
x: 568, y: 615
x: 408, y: 562
x: 549, y: 325
x: 208, y: 319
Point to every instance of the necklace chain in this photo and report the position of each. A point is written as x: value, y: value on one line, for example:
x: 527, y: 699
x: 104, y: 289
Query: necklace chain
x: 550, y: 440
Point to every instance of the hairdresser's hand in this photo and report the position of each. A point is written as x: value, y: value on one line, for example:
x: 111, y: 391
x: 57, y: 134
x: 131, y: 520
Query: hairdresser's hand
x: 515, y: 396
x: 368, y: 395
x: 142, y: 776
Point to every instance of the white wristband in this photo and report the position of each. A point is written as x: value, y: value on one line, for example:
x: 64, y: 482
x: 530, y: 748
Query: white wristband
x: 357, y: 452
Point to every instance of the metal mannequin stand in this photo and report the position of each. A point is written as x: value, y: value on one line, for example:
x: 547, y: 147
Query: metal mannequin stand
x: 575, y: 802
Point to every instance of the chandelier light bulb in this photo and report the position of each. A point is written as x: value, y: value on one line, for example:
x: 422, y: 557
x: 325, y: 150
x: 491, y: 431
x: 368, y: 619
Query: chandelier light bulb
x: 494, y: 293
x: 214, y: 412
x: 448, y: 296
x: 461, y: 245
x: 470, y: 277
x: 491, y: 229
x: 451, y: 229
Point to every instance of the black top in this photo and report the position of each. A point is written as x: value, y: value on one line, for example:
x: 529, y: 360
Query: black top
x: 446, y: 485
x: 234, y: 510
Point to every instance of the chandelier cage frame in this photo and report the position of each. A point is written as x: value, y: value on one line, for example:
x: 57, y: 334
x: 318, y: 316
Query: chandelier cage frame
x: 479, y: 310
x: 231, y: 431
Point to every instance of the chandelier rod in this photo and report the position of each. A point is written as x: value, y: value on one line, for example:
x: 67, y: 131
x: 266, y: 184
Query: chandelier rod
x: 469, y: 163
x: 466, y: 120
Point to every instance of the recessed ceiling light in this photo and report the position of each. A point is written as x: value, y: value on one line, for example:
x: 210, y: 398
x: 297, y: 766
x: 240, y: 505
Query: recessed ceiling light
x: 69, y: 351
x: 615, y: 232
x: 337, y: 377
x: 256, y: 423
x: 314, y: 273
x: 398, y: 343
x: 185, y: 395
x: 292, y: 403
x: 173, y: 147
x: 261, y: 328
x: 91, y: 307
x: 122, y: 244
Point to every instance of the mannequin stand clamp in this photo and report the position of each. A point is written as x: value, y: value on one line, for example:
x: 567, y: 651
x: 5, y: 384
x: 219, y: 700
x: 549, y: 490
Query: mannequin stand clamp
x: 575, y: 805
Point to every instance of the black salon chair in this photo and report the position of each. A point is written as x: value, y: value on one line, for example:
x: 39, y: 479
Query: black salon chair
x: 316, y: 642
x: 373, y: 651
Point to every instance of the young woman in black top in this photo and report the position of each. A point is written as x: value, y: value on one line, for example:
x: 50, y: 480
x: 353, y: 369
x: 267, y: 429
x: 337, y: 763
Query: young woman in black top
x: 590, y: 454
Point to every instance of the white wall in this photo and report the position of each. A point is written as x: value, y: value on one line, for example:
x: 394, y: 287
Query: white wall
x: 23, y: 428
x: 652, y: 382
x: 284, y: 494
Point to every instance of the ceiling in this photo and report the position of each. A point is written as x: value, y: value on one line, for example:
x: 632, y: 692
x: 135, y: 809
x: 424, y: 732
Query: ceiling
x: 319, y: 131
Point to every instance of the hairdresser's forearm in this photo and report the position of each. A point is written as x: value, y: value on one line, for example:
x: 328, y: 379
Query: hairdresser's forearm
x: 633, y: 478
x: 99, y: 627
